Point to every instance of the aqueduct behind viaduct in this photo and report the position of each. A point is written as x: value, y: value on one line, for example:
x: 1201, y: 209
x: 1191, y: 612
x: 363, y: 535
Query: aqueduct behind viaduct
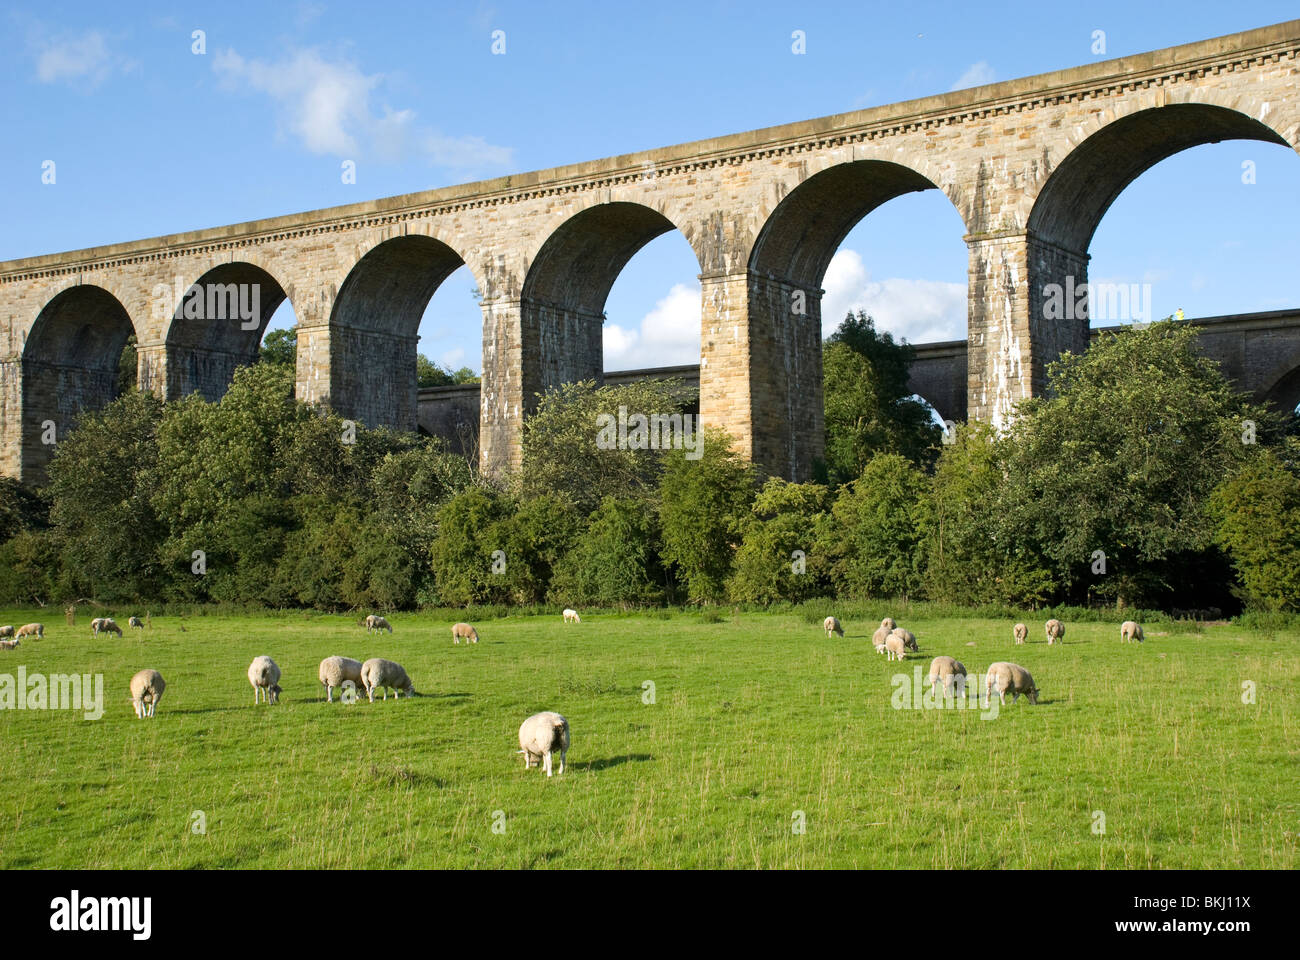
x: 1030, y: 165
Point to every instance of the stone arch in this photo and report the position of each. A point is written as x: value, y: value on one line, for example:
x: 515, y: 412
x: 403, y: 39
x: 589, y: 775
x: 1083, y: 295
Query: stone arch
x: 217, y: 327
x: 69, y: 364
x: 373, y: 328
x: 568, y: 281
x: 1284, y: 394
x: 1082, y: 187
x: 801, y: 234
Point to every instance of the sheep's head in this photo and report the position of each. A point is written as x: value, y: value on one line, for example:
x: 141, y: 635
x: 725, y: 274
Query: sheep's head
x: 274, y: 692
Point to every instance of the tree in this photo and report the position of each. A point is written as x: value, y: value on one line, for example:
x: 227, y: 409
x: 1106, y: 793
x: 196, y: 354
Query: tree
x: 777, y: 558
x: 1112, y: 470
x: 430, y: 374
x: 703, y: 507
x: 875, y: 544
x: 868, y: 408
x: 281, y: 346
x: 461, y: 557
x: 127, y: 365
x: 574, y: 447
x: 1257, y: 518
x: 615, y: 562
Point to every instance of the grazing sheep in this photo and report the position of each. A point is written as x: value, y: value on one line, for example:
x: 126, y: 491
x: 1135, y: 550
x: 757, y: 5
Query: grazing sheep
x: 7, y: 630
x: 1055, y: 630
x: 9, y: 644
x: 895, y: 647
x: 908, y: 638
x: 884, y: 630
x: 375, y: 624
x: 104, y: 625
x: 541, y: 735
x: 264, y: 675
x: 135, y: 622
x: 1020, y: 632
x: 571, y: 616
x: 335, y: 671
x: 948, y: 670
x: 832, y: 626
x: 31, y: 630
x: 1129, y: 631
x: 377, y: 673
x: 464, y: 630
x: 147, y: 688
x: 1009, y: 676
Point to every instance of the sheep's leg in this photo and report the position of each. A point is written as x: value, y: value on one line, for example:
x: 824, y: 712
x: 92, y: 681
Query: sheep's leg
x: 562, y: 753
x: 546, y: 759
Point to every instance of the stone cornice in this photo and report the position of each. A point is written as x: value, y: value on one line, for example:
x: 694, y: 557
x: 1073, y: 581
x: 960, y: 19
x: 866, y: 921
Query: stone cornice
x: 1239, y: 51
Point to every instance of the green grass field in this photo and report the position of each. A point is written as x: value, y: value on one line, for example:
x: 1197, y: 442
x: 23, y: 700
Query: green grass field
x: 755, y: 718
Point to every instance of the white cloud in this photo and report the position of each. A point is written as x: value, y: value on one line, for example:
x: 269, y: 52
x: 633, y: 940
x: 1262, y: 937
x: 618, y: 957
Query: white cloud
x: 669, y: 334
x: 976, y: 75
x: 452, y: 359
x: 922, y: 311
x: 83, y: 61
x: 327, y: 106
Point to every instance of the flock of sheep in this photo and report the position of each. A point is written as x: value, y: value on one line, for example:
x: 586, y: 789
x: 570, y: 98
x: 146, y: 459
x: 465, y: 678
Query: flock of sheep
x: 892, y: 640
x: 540, y: 736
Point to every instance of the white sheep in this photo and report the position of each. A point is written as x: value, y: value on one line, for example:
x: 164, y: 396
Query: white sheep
x: 948, y: 670
x: 374, y: 624
x: 571, y: 616
x: 135, y: 622
x: 541, y: 735
x: 9, y: 644
x: 7, y: 630
x: 895, y: 647
x: 377, y: 672
x: 31, y: 630
x: 832, y: 626
x: 336, y: 671
x: 264, y: 675
x: 1129, y: 631
x: 463, y: 630
x: 883, y: 631
x: 104, y: 625
x: 908, y: 638
x: 147, y: 688
x: 1020, y: 632
x: 1055, y: 631
x: 1003, y: 676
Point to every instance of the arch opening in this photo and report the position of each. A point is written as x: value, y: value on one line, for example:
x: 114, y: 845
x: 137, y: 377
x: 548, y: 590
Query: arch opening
x: 218, y: 326
x: 70, y: 363
x: 374, y: 329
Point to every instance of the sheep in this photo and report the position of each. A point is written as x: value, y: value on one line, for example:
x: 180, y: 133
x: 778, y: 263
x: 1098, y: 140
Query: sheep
x: 335, y: 671
x: 832, y: 626
x: 376, y: 673
x: 264, y: 675
x: 884, y: 630
x: 7, y: 630
x: 9, y: 644
x: 135, y: 622
x: 375, y: 624
x: 147, y: 688
x: 1003, y: 676
x: 948, y: 670
x: 571, y: 616
x: 908, y: 638
x: 1130, y: 630
x: 464, y: 630
x: 1020, y: 632
x: 894, y: 646
x: 104, y: 625
x: 541, y: 735
x: 31, y: 630
x: 1055, y: 630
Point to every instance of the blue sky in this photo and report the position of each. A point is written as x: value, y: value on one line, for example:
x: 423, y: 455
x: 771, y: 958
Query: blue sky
x: 150, y: 138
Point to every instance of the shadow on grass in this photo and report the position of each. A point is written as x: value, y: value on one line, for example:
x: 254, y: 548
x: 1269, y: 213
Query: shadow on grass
x: 607, y: 762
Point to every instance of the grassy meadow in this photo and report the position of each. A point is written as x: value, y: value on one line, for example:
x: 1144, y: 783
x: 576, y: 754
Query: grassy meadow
x: 759, y: 725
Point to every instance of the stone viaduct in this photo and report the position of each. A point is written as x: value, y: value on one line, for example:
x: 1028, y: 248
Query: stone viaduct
x: 1030, y: 165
